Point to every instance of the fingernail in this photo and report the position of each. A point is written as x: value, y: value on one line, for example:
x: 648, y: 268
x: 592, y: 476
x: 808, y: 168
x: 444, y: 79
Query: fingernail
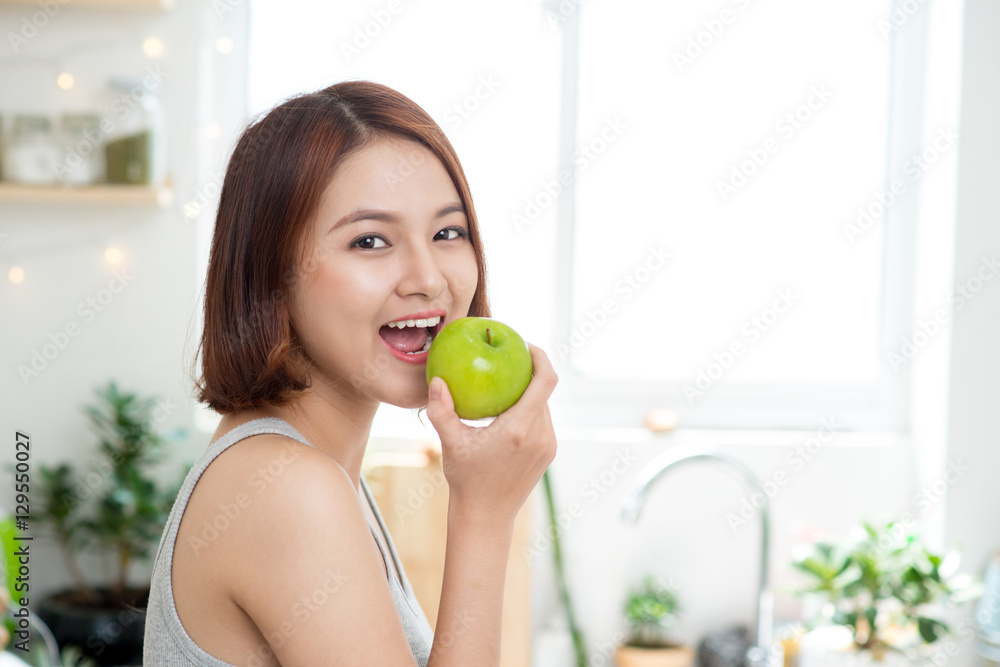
x: 435, y: 388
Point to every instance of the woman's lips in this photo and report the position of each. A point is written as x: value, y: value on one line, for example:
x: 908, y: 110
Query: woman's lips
x: 414, y: 357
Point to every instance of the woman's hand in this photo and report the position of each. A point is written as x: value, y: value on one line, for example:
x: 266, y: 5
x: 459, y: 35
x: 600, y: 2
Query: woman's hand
x: 492, y: 470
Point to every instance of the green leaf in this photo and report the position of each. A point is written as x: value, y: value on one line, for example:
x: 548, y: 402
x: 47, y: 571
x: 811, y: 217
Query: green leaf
x: 928, y: 629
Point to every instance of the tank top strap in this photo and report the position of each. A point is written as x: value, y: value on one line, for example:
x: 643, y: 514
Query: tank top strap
x: 230, y: 438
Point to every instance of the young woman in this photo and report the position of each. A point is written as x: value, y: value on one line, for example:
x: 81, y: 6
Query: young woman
x: 342, y: 211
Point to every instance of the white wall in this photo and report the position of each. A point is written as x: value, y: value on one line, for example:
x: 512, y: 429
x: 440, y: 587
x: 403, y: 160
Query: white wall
x: 972, y: 513
x: 143, y: 336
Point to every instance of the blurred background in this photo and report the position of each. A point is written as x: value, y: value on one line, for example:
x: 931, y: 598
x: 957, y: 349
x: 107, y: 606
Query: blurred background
x: 763, y: 228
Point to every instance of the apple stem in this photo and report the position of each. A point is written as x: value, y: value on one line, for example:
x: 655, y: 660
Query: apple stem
x: 489, y: 341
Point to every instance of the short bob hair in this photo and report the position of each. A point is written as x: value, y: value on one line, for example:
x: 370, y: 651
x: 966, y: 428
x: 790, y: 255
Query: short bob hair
x: 279, y: 169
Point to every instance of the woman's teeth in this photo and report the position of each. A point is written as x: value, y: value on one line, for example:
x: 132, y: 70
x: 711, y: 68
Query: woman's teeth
x: 429, y: 322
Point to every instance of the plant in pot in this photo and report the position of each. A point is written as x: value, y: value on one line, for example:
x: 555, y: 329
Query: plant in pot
x: 116, y: 510
x: 651, y: 610
x: 879, y: 598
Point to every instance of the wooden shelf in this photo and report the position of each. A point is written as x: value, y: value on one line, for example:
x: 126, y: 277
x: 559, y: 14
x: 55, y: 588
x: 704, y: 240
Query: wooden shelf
x: 91, y: 194
x: 127, y: 5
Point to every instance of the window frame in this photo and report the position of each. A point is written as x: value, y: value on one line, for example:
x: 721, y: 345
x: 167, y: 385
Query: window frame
x: 883, y: 405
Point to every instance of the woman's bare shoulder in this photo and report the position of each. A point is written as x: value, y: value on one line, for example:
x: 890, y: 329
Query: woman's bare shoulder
x: 272, y: 479
x: 281, y: 547
x: 305, y: 563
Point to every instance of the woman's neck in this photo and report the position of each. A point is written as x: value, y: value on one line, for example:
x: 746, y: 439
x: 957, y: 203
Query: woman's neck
x: 335, y: 423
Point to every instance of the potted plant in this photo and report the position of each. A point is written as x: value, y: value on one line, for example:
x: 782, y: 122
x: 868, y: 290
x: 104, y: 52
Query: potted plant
x: 883, y: 591
x: 117, y: 510
x: 651, y: 610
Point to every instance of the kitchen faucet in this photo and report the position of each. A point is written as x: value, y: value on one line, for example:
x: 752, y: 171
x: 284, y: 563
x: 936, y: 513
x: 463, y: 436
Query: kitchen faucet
x: 762, y: 653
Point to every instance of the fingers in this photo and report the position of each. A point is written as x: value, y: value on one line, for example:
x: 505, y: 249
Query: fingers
x: 543, y: 380
x: 441, y: 410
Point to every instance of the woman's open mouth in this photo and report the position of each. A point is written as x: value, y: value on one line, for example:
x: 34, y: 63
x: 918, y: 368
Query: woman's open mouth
x: 409, y: 338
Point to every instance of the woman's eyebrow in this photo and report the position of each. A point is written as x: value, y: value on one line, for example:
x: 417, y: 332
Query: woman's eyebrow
x: 389, y: 216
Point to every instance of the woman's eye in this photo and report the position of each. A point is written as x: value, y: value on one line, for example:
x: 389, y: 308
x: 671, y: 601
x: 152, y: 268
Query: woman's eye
x: 369, y: 242
x: 451, y: 233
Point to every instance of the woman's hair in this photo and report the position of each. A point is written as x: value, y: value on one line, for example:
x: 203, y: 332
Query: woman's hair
x: 276, y: 176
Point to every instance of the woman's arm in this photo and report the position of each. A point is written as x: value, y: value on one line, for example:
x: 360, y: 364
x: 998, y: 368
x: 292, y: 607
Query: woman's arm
x: 467, y: 631
x: 309, y: 574
x: 312, y: 580
x: 491, y: 471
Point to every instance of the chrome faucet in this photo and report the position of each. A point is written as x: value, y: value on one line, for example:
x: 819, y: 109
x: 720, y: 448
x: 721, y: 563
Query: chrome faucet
x: 764, y: 651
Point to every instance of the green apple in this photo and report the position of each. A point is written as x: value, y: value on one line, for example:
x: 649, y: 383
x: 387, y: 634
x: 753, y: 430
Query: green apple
x: 485, y: 363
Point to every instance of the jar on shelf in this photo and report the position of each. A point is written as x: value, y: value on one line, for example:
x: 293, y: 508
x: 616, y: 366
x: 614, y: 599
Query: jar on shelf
x: 135, y: 141
x: 83, y: 149
x: 32, y: 155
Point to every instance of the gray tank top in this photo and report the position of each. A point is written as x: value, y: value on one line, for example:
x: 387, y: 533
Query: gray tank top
x: 167, y: 644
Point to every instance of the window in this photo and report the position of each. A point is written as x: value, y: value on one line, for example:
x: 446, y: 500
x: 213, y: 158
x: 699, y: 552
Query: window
x: 701, y: 206
x: 742, y: 199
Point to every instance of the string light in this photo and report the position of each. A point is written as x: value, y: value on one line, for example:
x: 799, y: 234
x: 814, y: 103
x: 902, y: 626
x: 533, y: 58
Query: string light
x: 153, y: 47
x: 113, y: 256
x: 224, y: 45
x: 16, y: 275
x: 65, y: 80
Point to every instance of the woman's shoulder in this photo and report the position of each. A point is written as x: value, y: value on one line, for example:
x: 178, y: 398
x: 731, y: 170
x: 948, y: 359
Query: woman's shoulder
x: 281, y: 474
x: 270, y: 504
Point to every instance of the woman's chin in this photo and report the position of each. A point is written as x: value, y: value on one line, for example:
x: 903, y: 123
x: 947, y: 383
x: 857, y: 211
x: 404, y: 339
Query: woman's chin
x: 410, y: 400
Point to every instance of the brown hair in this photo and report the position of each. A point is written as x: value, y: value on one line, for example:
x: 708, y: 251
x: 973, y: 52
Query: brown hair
x: 279, y: 169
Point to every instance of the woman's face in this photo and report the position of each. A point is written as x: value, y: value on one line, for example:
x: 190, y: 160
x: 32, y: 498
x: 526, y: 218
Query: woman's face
x: 389, y: 244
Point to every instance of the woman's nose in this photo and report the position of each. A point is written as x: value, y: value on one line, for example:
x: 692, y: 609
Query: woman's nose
x: 421, y: 273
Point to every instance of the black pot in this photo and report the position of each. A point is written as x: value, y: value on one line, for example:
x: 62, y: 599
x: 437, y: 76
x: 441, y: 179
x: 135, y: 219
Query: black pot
x: 111, y: 634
